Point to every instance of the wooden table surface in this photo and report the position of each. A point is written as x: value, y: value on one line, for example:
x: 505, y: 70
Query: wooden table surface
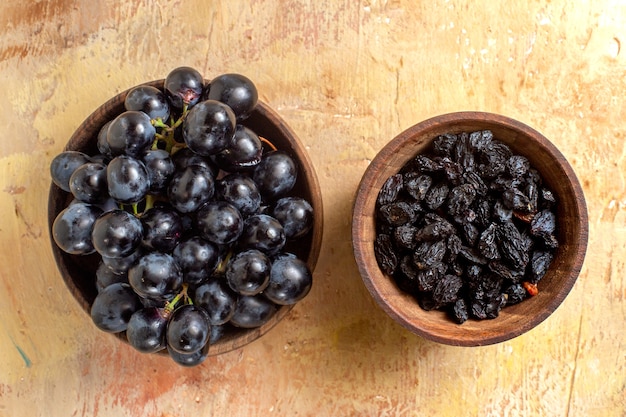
x: 347, y: 76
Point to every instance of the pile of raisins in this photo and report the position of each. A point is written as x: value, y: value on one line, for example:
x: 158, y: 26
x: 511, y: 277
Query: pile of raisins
x: 467, y: 227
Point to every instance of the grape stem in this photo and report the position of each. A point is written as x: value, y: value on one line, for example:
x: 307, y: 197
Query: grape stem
x: 171, y: 306
x: 166, y: 133
x: 268, y: 143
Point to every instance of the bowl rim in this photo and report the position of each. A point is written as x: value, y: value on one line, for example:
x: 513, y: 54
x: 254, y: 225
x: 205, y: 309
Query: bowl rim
x: 363, y: 208
x: 262, y: 111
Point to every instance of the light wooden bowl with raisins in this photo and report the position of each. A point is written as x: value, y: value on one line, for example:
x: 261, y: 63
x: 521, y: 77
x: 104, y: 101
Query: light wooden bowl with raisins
x: 469, y: 243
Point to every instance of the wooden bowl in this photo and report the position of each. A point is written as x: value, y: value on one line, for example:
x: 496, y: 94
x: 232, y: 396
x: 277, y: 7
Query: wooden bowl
x: 78, y: 272
x: 513, y: 320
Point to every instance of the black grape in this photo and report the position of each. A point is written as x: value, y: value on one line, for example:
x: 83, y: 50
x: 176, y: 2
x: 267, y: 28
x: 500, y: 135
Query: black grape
x: 197, y: 258
x: 146, y: 330
x: 116, y: 234
x: 63, y: 166
x: 149, y: 100
x: 209, y: 127
x: 162, y: 228
x: 113, y: 306
x: 127, y: 179
x: 217, y: 299
x: 156, y: 276
x: 252, y: 311
x: 191, y: 188
x: 295, y: 214
x: 72, y: 228
x: 263, y: 232
x: 248, y: 272
x: 183, y: 86
x: 219, y: 222
x: 131, y: 133
x: 240, y: 191
x: 160, y: 168
x: 275, y: 175
x: 188, y: 329
x: 88, y: 183
x: 290, y: 281
x: 243, y: 153
x: 235, y: 90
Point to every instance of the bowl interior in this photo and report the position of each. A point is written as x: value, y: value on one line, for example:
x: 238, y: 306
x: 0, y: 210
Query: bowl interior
x: 78, y: 272
x: 513, y: 320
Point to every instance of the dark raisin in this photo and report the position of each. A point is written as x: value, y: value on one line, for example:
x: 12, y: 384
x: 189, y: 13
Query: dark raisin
x: 515, y: 294
x: 517, y: 166
x: 417, y: 185
x: 470, y: 234
x: 429, y: 253
x: 514, y: 199
x: 423, y: 163
x: 443, y: 145
x: 500, y: 213
x: 385, y: 254
x: 427, y: 278
x: 405, y: 236
x: 481, y: 140
x: 460, y: 199
x: 434, y: 231
x: 539, y: 264
x: 452, y: 170
x: 472, y: 255
x: 544, y: 223
x: 459, y: 311
x: 513, y: 246
x: 406, y: 276
x: 474, y: 179
x: 447, y: 289
x: 390, y: 190
x: 546, y: 198
x: 506, y: 272
x: 436, y: 196
x: 487, y: 244
x: 398, y: 214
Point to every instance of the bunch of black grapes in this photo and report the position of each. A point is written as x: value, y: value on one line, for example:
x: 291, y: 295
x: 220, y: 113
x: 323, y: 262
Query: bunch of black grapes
x: 190, y: 212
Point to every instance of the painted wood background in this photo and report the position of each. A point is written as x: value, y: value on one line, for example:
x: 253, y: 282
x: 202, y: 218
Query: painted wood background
x: 347, y: 75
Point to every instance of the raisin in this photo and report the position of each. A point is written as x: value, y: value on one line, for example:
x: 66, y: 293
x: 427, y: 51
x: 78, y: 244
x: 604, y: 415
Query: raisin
x: 398, y: 214
x: 460, y: 199
x: 539, y: 264
x: 487, y: 244
x: 517, y: 166
x: 436, y: 196
x: 443, y: 145
x: 390, y: 190
x: 429, y: 253
x: 447, y: 289
x: 504, y: 271
x: 385, y: 254
x: 417, y: 185
x: 515, y: 294
x: 515, y: 199
x: 426, y: 279
x: 513, y: 246
x: 459, y: 311
x: 425, y: 164
x: 544, y: 223
x: 434, y: 231
x: 405, y: 236
x: 452, y: 170
x: 481, y: 140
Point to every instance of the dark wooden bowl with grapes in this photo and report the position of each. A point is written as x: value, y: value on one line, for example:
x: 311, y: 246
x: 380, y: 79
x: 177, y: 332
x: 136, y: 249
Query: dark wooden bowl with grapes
x: 469, y: 228
x: 186, y: 216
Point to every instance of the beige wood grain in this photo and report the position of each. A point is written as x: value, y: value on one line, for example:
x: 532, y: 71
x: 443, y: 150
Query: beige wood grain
x: 347, y: 76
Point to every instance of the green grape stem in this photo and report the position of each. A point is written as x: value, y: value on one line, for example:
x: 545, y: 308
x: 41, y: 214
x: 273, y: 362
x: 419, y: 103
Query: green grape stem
x: 171, y: 306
